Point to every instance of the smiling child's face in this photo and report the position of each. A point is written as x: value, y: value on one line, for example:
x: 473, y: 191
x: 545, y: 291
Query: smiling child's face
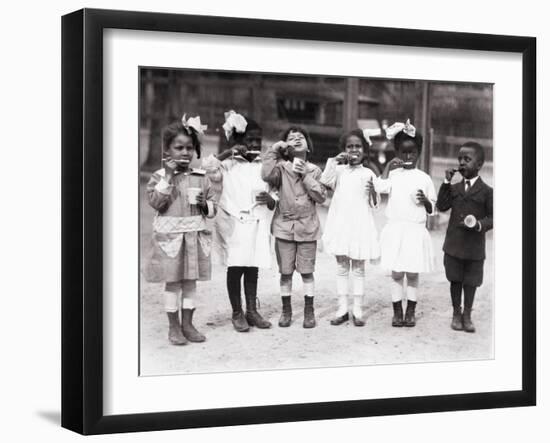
x: 469, y: 162
x: 297, y: 141
x: 408, y: 152
x: 354, y: 147
x: 181, y: 149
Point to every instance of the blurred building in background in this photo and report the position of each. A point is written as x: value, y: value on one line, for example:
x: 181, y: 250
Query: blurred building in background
x: 447, y: 114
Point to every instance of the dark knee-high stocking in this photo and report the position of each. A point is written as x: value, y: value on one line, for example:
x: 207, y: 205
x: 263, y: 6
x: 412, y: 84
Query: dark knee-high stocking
x: 234, y: 274
x: 469, y: 294
x: 456, y: 294
x: 456, y: 298
x: 253, y: 317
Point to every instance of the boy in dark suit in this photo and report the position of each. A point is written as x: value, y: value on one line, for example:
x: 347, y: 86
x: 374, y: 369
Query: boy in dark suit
x: 464, y: 245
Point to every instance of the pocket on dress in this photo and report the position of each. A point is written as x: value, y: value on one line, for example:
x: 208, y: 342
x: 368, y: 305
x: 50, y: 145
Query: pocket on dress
x: 170, y: 244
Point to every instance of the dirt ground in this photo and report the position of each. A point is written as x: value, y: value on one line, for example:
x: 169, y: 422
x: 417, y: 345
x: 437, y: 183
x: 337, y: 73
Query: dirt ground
x: 432, y: 340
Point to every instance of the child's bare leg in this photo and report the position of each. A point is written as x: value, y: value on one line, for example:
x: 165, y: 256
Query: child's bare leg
x: 397, y: 298
x: 456, y: 298
x: 309, y: 294
x: 358, y: 285
x: 189, y: 292
x: 342, y: 274
x: 286, y: 285
x: 412, y: 287
x: 286, y: 291
x: 469, y: 294
x: 171, y: 296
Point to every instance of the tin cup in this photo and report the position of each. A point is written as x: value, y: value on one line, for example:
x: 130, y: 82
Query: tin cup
x: 192, y: 194
x: 470, y: 221
x: 297, y: 161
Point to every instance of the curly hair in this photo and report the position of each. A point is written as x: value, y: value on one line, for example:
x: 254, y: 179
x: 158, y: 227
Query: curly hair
x: 302, y: 131
x: 357, y: 133
x: 171, y: 131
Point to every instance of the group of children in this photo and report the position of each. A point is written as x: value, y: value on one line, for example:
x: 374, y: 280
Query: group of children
x: 255, y: 198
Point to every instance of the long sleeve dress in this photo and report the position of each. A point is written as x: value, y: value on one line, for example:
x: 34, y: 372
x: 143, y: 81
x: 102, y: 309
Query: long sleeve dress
x: 350, y: 229
x: 181, y: 242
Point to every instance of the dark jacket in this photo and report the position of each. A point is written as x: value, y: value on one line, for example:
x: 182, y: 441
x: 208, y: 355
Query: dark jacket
x: 461, y: 242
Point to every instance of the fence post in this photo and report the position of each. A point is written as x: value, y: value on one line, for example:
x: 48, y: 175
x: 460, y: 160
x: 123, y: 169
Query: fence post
x: 351, y: 106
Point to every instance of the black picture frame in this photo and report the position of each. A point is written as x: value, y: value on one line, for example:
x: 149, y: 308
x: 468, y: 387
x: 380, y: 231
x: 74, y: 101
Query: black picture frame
x: 82, y: 220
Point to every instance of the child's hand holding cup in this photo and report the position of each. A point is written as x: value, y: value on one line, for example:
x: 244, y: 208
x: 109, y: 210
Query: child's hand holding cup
x: 299, y: 166
x: 470, y: 222
x: 195, y: 196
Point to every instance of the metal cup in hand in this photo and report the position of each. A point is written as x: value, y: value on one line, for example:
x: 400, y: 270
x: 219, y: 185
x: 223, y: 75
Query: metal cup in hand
x: 470, y: 221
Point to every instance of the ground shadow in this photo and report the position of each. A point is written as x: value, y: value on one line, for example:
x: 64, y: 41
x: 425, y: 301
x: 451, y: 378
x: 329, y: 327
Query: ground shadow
x: 53, y: 417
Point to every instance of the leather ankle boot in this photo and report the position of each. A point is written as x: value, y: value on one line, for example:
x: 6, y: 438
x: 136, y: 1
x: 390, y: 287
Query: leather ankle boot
x: 309, y: 312
x: 175, y: 336
x: 456, y: 323
x: 286, y: 314
x: 253, y: 317
x: 239, y: 321
x: 189, y: 331
x: 237, y: 318
x: 410, y: 319
x: 397, y: 320
x: 467, y: 321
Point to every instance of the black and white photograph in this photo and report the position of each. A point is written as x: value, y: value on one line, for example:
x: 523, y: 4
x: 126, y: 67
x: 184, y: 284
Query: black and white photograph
x: 275, y: 221
x: 293, y: 221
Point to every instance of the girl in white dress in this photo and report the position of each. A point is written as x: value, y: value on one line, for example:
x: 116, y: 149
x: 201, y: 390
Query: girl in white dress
x: 405, y: 242
x: 242, y: 239
x: 350, y: 233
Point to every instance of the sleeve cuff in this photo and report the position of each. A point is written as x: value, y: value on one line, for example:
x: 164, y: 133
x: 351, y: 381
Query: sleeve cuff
x: 163, y: 187
x: 307, y: 180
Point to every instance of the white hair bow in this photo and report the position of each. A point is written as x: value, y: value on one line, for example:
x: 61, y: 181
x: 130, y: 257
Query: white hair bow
x: 396, y: 128
x: 193, y: 123
x: 368, y: 133
x: 234, y: 121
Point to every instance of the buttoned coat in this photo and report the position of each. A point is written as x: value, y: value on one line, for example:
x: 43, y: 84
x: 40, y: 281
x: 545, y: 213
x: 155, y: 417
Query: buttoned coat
x: 461, y: 242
